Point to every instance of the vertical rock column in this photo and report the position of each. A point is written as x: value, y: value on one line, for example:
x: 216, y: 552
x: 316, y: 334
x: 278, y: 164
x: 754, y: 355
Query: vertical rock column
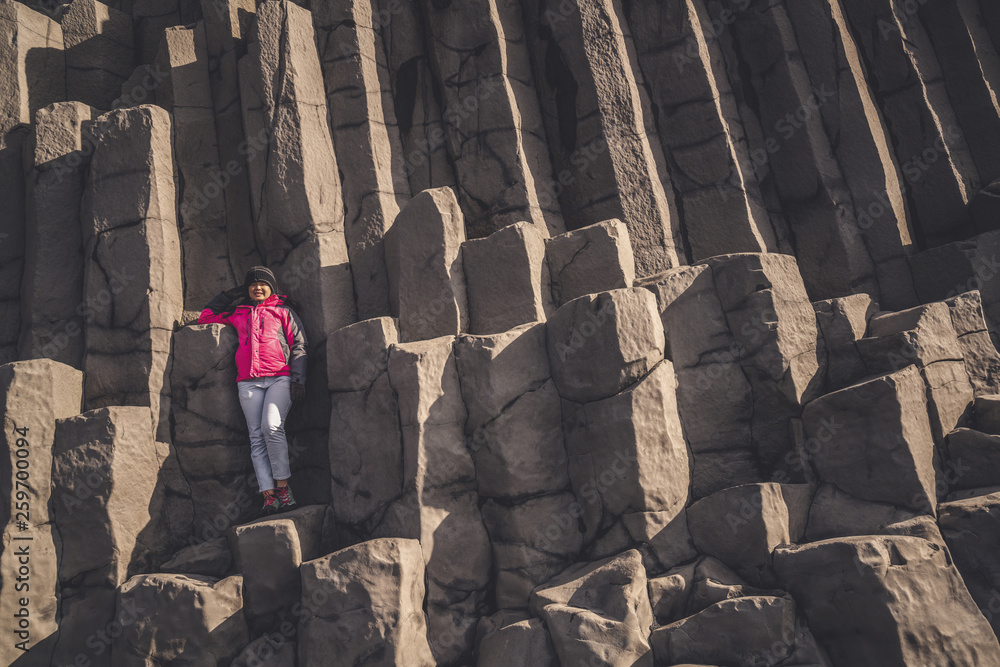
x: 494, y: 128
x: 186, y: 92
x: 32, y: 75
x: 931, y: 149
x: 34, y: 394
x: 132, y: 266
x: 439, y: 504
x: 226, y: 26
x: 298, y: 205
x: 700, y: 129
x: 366, y: 138
x: 52, y: 292
x: 104, y: 473
x: 426, y: 163
x: 600, y: 124
x: 860, y: 142
x: 809, y: 179
x: 99, y: 57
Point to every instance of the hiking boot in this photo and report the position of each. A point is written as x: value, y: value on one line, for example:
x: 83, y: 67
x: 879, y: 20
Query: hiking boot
x: 271, y: 505
x: 286, y: 500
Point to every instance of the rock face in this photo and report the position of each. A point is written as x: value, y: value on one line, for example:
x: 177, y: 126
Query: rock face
x: 638, y: 331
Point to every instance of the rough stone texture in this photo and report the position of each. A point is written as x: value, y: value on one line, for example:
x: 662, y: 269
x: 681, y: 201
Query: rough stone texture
x: 363, y: 605
x: 591, y: 259
x: 982, y: 362
x: 607, y: 162
x: 12, y: 229
x: 598, y: 612
x: 98, y: 43
x: 754, y: 630
x: 742, y: 525
x: 33, y: 64
x: 497, y: 142
x: 180, y: 619
x: 507, y: 279
x: 970, y: 529
x: 366, y: 138
x: 842, y: 322
x: 521, y: 643
x: 834, y: 513
x: 425, y: 254
x: 132, y: 267
x: 890, y: 443
x: 104, y: 475
x: 34, y: 394
x: 886, y: 601
x: 52, y: 286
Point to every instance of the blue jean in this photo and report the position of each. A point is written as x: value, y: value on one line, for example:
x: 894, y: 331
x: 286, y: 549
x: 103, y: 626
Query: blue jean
x: 265, y: 403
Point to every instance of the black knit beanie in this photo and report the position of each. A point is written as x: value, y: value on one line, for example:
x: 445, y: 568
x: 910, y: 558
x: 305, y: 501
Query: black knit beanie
x: 261, y: 274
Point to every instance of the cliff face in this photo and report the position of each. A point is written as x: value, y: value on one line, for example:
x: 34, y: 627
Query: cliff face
x: 640, y: 331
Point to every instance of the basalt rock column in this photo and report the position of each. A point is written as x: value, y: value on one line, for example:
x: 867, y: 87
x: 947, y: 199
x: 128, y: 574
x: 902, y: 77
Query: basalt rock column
x: 809, y: 180
x: 494, y: 129
x: 931, y: 149
x: 33, y: 394
x: 12, y: 230
x: 607, y: 161
x: 32, y: 64
x: 52, y: 290
x: 366, y: 139
x: 132, y: 267
x: 860, y: 142
x: 98, y: 43
x: 294, y: 181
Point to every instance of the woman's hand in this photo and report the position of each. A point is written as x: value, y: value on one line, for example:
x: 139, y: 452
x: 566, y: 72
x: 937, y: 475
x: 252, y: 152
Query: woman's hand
x: 298, y: 391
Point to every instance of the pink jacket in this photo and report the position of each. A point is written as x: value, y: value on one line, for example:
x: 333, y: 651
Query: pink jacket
x: 272, y: 339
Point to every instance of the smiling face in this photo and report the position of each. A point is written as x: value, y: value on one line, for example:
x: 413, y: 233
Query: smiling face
x: 259, y: 291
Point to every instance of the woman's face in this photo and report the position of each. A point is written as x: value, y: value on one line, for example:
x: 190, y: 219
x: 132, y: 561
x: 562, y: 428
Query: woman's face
x: 259, y: 291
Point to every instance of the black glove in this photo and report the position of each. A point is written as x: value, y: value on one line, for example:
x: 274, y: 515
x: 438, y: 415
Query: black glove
x: 298, y: 391
x: 235, y: 293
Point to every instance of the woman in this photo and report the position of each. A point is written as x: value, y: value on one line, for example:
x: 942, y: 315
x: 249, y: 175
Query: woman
x: 271, y: 373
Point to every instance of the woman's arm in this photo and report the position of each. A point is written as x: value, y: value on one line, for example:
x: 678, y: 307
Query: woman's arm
x: 296, y: 336
x: 213, y: 313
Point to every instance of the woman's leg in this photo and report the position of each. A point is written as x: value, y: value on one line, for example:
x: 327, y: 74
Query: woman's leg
x: 277, y: 402
x: 252, y: 394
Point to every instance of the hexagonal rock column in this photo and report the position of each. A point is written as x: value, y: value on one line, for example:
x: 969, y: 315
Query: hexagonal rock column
x: 607, y: 162
x: 187, y: 93
x: 366, y: 139
x: 440, y: 504
x: 52, y: 290
x: 501, y: 175
x: 209, y: 429
x: 104, y: 474
x: 423, y: 251
x: 179, y: 618
x: 598, y: 612
x: 507, y: 279
x: 982, y: 361
x: 741, y: 525
x: 714, y: 396
x: 268, y: 554
x: 924, y: 336
x: 623, y: 433
x: 884, y: 601
x: 588, y: 260
x: 33, y: 64
x: 33, y: 395
x: 773, y: 325
x: 366, y: 449
x: 842, y: 323
x: 364, y: 604
x: 971, y: 528
x: 132, y: 268
x: 98, y: 42
x: 297, y: 200
x: 909, y: 86
x: 873, y: 440
x: 514, y: 432
x: 12, y: 227
x: 704, y: 144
